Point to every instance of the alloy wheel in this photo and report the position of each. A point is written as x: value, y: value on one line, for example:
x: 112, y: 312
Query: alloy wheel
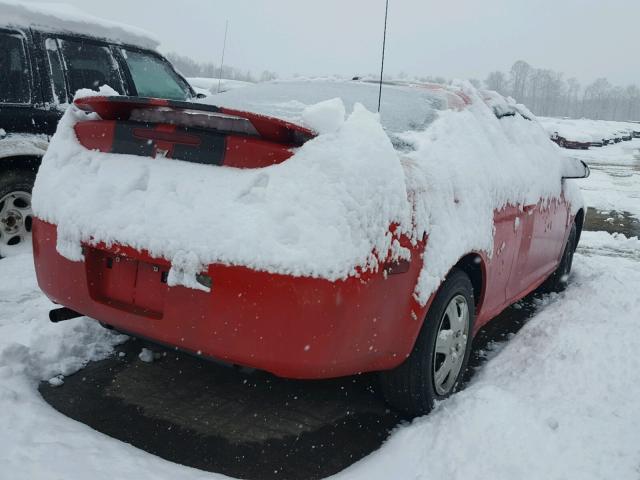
x: 16, y: 219
x: 451, y: 345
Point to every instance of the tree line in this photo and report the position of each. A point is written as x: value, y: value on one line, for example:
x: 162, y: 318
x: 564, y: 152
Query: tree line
x: 547, y: 93
x: 191, y: 68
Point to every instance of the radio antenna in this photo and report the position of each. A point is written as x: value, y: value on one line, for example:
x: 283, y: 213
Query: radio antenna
x: 384, y: 44
x: 224, y: 46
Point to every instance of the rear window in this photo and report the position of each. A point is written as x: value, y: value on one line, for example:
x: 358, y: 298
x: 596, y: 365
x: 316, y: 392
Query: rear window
x: 154, y: 77
x: 90, y: 65
x: 14, y: 70
x: 403, y: 108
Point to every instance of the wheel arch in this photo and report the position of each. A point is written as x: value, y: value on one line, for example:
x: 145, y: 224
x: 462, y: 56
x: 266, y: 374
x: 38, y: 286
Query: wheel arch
x: 473, y: 264
x: 22, y: 162
x: 579, y: 220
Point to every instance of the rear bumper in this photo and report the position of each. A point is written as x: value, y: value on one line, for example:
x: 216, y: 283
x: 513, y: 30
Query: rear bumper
x: 294, y: 327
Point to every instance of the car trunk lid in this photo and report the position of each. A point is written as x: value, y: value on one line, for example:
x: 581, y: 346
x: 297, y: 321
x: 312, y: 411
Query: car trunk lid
x: 191, y: 132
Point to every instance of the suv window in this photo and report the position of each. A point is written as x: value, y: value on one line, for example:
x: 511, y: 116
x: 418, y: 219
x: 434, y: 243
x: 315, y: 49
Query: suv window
x: 90, y: 65
x: 56, y: 70
x: 14, y: 70
x: 154, y: 77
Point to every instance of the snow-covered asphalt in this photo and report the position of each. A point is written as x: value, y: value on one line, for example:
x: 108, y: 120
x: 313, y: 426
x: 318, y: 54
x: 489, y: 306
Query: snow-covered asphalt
x: 615, y: 177
x: 559, y: 400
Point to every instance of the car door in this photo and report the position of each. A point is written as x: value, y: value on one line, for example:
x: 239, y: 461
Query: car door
x: 549, y: 225
x: 544, y: 227
x: 506, y: 246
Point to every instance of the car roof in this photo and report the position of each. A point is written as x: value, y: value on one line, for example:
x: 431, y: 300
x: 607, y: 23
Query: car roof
x: 66, y: 19
x: 404, y: 106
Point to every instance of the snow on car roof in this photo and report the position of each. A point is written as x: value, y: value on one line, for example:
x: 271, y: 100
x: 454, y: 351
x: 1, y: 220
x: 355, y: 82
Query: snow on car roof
x: 60, y: 17
x: 404, y: 107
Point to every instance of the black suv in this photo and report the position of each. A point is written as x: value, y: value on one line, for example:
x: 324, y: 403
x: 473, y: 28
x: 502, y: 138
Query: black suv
x: 40, y: 71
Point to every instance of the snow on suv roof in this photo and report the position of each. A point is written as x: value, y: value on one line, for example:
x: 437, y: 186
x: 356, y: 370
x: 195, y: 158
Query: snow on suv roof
x: 61, y: 17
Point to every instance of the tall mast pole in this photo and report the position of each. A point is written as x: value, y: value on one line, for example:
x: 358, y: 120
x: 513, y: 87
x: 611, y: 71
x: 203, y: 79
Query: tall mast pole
x: 384, y: 44
x: 224, y: 46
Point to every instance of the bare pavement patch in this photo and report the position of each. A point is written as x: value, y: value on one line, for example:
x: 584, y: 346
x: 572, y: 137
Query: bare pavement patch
x: 241, y: 423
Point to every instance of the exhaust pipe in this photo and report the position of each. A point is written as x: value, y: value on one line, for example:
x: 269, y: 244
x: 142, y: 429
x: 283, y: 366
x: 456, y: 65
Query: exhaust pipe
x: 61, y: 314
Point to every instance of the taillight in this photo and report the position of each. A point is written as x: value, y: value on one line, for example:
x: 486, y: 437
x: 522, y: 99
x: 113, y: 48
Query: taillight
x: 96, y: 135
x: 171, y: 137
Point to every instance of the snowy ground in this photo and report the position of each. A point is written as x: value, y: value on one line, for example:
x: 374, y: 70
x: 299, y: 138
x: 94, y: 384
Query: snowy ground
x: 615, y: 176
x: 559, y: 400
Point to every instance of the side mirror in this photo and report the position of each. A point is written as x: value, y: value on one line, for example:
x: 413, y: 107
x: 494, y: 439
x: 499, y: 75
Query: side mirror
x: 201, y: 95
x: 575, y: 169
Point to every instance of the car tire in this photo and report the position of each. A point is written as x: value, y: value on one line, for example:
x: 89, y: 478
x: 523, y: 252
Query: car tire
x: 16, y: 216
x: 415, y: 385
x: 559, y: 279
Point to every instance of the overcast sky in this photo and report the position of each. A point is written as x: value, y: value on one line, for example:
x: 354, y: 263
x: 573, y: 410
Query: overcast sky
x: 457, y: 38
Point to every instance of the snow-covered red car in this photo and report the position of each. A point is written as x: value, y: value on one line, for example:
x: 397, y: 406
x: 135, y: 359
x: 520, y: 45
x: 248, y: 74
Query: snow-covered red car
x: 289, y: 229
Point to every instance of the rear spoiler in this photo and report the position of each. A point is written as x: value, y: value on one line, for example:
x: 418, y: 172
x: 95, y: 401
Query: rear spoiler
x: 187, y: 114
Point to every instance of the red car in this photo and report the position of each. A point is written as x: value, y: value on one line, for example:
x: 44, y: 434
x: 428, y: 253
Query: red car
x: 572, y: 144
x: 297, y: 325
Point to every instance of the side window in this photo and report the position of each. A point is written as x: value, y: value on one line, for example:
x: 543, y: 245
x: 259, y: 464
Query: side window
x: 14, y: 70
x: 90, y: 65
x: 56, y: 71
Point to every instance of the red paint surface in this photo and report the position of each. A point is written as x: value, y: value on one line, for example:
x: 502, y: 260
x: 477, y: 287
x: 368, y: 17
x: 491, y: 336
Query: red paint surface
x: 291, y: 326
x: 295, y: 327
x: 245, y: 152
x: 239, y: 152
x: 96, y: 135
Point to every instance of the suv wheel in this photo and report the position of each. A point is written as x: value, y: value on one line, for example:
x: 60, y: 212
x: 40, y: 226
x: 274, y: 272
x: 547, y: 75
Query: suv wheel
x: 439, y: 358
x: 16, y: 216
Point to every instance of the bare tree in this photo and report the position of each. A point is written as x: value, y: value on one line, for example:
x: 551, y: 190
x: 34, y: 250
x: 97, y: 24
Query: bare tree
x: 190, y: 68
x: 497, y: 81
x: 572, y: 98
x: 520, y: 72
x: 632, y: 94
x: 547, y: 93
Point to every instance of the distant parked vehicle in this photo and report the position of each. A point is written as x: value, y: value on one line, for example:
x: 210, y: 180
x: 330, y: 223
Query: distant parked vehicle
x: 582, y: 144
x: 41, y: 69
